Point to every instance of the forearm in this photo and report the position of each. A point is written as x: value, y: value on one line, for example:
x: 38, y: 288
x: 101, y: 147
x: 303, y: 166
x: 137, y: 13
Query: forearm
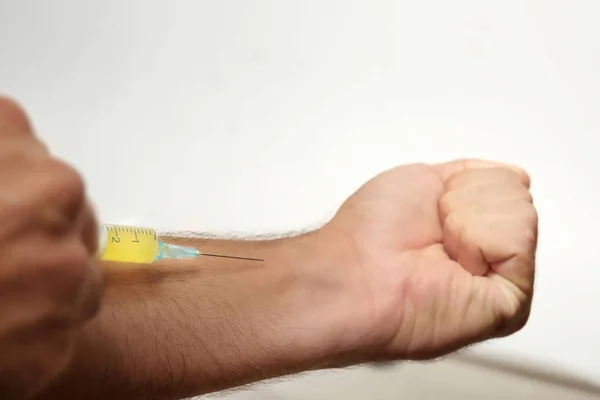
x: 181, y: 328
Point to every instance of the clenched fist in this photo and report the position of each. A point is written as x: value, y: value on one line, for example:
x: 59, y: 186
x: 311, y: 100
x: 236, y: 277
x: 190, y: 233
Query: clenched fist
x: 433, y: 258
x: 49, y: 282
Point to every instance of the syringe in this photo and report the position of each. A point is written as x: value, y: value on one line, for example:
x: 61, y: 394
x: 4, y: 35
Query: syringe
x: 138, y: 245
x: 132, y: 244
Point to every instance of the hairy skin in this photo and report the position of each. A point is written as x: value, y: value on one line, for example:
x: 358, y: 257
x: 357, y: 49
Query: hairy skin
x: 419, y: 262
x: 182, y: 328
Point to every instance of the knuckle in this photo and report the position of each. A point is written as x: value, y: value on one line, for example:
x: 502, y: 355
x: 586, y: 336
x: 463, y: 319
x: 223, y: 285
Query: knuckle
x: 526, y: 195
x: 534, y: 217
x: 93, y: 293
x: 526, y: 217
x: 529, y: 213
x: 446, y: 203
x: 470, y: 177
x: 508, y: 174
x: 70, y: 266
x: 13, y: 116
x: 89, y: 232
x: 486, y: 177
x: 456, y: 181
x: 530, y: 240
x: 49, y: 192
x: 523, y: 176
x: 67, y: 184
x: 75, y: 265
x: 520, y: 178
x: 454, y: 223
x: 512, y: 191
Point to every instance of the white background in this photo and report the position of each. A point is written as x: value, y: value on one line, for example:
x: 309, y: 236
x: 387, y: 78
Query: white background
x: 262, y: 116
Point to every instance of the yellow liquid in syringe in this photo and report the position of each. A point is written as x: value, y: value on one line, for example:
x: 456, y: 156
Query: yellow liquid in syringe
x: 129, y: 244
x: 132, y: 244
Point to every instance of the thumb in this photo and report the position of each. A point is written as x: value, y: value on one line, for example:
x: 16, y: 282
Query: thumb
x: 448, y: 169
x: 13, y: 119
x: 16, y: 132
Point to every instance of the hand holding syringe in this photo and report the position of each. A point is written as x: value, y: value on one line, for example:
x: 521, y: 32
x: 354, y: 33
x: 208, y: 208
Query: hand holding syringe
x: 142, y: 245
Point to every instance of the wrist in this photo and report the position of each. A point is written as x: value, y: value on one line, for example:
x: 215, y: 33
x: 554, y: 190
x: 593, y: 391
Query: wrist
x: 324, y: 317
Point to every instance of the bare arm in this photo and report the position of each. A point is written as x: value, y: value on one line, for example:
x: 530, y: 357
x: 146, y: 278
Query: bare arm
x: 419, y: 262
x: 181, y: 328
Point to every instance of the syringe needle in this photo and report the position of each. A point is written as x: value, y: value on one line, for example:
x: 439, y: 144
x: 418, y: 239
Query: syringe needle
x: 234, y: 257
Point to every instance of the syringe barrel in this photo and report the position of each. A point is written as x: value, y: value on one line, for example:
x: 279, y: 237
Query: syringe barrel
x: 128, y: 244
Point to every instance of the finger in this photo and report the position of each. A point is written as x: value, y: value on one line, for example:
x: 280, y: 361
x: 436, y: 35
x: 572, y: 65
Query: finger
x: 449, y: 169
x: 16, y: 132
x: 511, y: 246
x: 498, y: 238
x: 93, y: 285
x: 89, y: 230
x: 92, y: 290
x: 67, y: 279
x: 514, y: 318
x: 480, y: 177
x: 490, y: 186
x: 46, y: 193
x: 13, y: 119
x: 62, y: 190
x: 461, y: 247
